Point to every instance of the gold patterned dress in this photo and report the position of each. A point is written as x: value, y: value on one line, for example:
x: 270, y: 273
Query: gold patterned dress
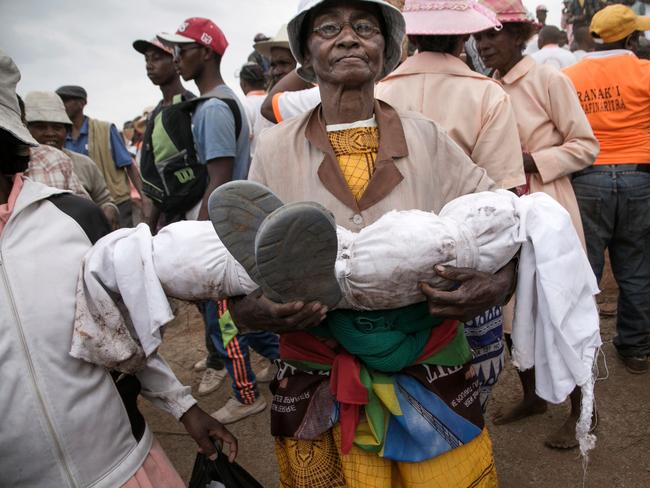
x: 320, y: 463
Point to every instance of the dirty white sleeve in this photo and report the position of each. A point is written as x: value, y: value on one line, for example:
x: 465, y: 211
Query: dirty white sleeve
x: 162, y: 388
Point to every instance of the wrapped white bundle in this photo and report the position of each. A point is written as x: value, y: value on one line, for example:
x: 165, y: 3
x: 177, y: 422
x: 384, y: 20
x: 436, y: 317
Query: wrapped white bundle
x: 125, y: 280
x: 381, y: 266
x: 556, y: 324
x: 126, y: 276
x: 192, y: 263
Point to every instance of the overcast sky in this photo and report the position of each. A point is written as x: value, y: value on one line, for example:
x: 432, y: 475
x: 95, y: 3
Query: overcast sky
x: 88, y: 43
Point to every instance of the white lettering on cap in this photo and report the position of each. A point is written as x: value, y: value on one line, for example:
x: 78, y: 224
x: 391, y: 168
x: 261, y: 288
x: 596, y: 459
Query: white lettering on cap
x: 206, y: 38
x: 182, y: 27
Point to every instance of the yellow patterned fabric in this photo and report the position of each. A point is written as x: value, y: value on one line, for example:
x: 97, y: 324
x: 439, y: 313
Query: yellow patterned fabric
x: 321, y: 464
x: 356, y: 151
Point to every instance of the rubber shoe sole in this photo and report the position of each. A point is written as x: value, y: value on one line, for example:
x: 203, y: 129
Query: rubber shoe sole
x: 295, y: 251
x: 237, y: 209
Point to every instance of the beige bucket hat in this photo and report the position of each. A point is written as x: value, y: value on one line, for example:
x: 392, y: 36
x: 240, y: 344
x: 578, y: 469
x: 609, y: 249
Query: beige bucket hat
x: 45, y: 106
x: 393, y: 20
x: 9, y: 108
x: 281, y: 39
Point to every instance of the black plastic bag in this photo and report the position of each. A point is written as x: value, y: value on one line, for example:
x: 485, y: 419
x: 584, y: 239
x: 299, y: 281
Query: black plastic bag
x: 232, y: 475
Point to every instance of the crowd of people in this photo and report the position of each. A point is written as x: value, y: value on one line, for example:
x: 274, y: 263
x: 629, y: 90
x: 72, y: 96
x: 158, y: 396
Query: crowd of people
x: 364, y: 107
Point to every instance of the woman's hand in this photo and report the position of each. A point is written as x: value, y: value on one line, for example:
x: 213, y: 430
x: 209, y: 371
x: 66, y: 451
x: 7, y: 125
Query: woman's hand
x: 256, y: 312
x: 204, y: 429
x: 477, y: 291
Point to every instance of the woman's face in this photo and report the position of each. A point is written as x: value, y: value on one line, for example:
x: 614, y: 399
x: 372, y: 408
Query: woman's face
x: 48, y: 133
x: 353, y: 56
x: 498, y: 49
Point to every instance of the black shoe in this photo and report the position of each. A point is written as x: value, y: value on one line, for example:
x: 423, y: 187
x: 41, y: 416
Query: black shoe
x: 295, y: 252
x: 237, y: 209
x: 636, y: 364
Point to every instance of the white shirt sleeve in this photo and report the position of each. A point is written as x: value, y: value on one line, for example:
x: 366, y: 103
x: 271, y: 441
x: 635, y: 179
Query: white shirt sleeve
x: 161, y: 387
x: 290, y: 104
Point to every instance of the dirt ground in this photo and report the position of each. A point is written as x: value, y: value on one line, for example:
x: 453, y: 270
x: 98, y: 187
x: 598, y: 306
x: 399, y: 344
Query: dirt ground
x: 621, y: 458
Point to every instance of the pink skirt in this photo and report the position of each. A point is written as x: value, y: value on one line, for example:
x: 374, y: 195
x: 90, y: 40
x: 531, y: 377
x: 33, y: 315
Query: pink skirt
x: 156, y: 471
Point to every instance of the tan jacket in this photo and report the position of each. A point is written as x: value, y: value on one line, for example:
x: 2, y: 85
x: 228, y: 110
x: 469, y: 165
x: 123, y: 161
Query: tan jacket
x: 473, y: 109
x: 99, y: 150
x: 553, y: 128
x: 418, y: 167
x: 91, y: 178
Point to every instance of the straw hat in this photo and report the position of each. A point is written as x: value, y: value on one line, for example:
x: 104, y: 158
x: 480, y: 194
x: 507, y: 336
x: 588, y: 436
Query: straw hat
x: 447, y: 17
x: 9, y: 108
x: 281, y: 39
x: 393, y: 20
x: 44, y: 106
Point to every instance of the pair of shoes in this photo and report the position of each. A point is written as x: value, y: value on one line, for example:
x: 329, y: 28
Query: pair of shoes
x: 636, y: 364
x: 267, y: 374
x: 234, y: 410
x: 211, y: 380
x: 200, y: 365
x: 288, y: 250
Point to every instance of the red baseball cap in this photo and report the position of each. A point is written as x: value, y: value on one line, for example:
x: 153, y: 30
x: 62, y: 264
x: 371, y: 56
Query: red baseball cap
x: 199, y: 30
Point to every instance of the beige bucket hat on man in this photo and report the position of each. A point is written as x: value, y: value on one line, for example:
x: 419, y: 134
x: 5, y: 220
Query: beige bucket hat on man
x: 281, y: 39
x: 45, y: 106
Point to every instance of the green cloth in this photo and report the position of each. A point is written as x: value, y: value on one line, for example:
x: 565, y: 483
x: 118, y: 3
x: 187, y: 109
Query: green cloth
x: 163, y: 146
x: 384, y: 340
x: 228, y: 328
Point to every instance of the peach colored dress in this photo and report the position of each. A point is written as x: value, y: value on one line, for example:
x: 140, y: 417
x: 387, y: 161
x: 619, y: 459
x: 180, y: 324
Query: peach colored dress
x: 473, y: 109
x: 553, y: 128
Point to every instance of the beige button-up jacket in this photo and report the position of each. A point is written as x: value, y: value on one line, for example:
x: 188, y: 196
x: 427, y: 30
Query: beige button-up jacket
x: 418, y: 167
x: 553, y: 128
x: 474, y: 110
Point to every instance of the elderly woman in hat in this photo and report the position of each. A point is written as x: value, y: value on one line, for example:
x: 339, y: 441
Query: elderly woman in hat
x: 338, y: 421
x: 475, y: 112
x: 556, y: 141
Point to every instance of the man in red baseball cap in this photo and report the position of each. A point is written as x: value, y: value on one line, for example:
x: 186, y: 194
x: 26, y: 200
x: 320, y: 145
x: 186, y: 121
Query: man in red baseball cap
x: 161, y: 70
x: 221, y: 136
x: 200, y: 31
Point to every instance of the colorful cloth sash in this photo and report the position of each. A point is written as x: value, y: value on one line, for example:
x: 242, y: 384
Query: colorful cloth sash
x: 374, y: 343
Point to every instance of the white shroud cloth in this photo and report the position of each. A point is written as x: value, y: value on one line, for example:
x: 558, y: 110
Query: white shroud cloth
x: 125, y: 280
x: 556, y: 326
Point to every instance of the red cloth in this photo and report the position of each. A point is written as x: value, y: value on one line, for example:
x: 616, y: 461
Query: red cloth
x: 440, y: 336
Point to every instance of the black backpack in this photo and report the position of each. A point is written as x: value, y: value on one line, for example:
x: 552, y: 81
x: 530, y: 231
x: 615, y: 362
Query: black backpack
x: 178, y: 183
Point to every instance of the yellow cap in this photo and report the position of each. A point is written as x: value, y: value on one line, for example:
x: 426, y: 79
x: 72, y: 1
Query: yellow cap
x: 616, y: 22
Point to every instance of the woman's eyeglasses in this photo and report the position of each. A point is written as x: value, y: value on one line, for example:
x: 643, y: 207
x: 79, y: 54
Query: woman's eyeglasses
x: 361, y: 28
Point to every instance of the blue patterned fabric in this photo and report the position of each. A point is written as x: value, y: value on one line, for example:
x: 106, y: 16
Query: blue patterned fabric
x: 428, y: 425
x: 485, y: 336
